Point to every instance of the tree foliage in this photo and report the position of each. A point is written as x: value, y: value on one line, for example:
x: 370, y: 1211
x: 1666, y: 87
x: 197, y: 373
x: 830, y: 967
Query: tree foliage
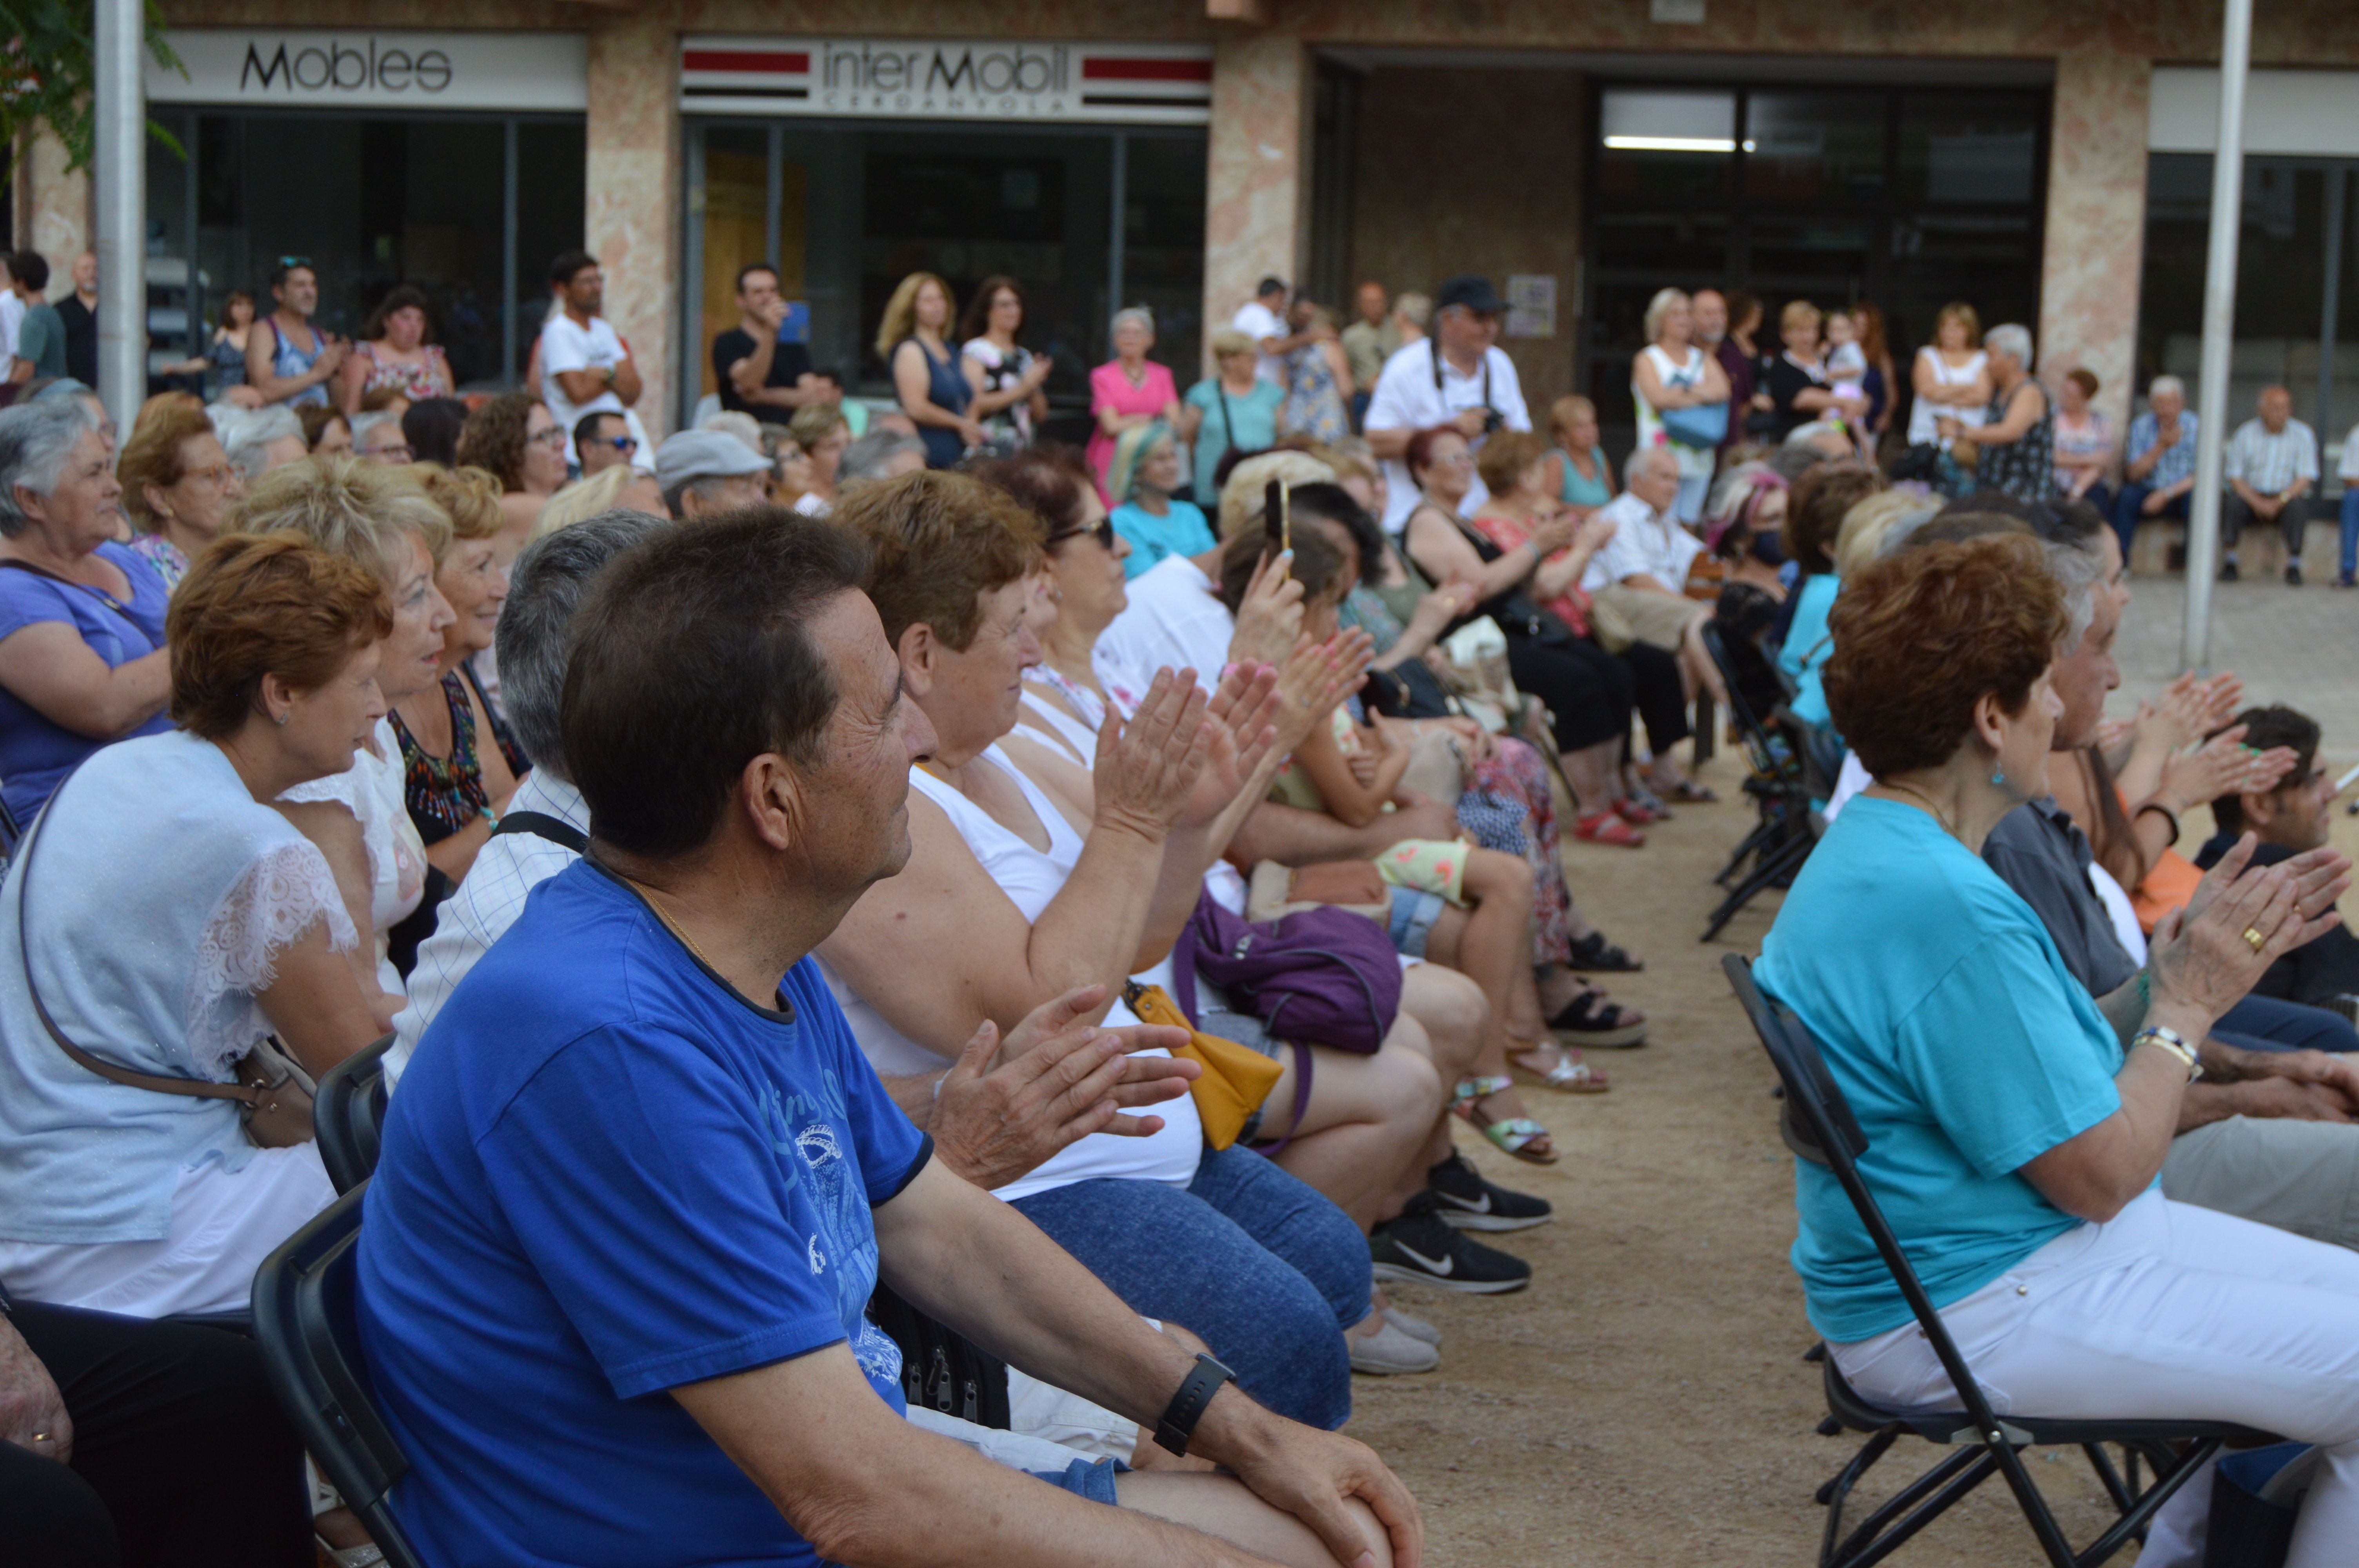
x: 46, y: 71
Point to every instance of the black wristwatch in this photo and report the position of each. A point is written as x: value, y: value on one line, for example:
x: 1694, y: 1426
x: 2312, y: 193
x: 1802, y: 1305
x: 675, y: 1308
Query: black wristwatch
x: 1186, y: 1406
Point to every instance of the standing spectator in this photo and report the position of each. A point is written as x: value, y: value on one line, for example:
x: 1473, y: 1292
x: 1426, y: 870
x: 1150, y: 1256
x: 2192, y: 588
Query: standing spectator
x: 176, y: 486
x: 1576, y: 471
x: 1682, y: 395
x: 1951, y: 377
x: 288, y: 360
x: 603, y: 440
x: 758, y: 371
x: 1796, y: 380
x: 2347, y: 471
x: 514, y: 439
x: 1319, y: 385
x: 1876, y: 347
x: 2272, y: 465
x: 1151, y: 513
x: 584, y: 364
x: 1412, y: 319
x: 378, y: 438
x: 1231, y: 410
x: 12, y: 310
x: 78, y: 311
x: 433, y: 428
x: 1005, y: 375
x: 1262, y: 318
x: 82, y: 625
x: 1739, y: 354
x: 1458, y: 377
x: 913, y: 339
x: 396, y: 350
x: 2158, y: 462
x: 1373, y: 338
x: 2015, y: 443
x: 2084, y: 441
x: 1130, y: 389
x: 41, y: 333
x: 225, y: 354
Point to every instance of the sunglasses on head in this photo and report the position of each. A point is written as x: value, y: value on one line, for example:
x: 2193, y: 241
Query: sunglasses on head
x: 1103, y: 532
x: 294, y: 260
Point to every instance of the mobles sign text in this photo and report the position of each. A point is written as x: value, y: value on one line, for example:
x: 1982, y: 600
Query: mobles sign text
x: 394, y: 69
x: 336, y: 66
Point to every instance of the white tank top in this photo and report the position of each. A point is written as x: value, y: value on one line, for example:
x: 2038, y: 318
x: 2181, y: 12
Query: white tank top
x: 1031, y: 878
x: 1923, y: 417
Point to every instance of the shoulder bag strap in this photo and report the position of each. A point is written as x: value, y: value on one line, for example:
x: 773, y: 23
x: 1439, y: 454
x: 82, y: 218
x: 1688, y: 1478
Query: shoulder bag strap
x: 199, y: 1088
x: 540, y: 824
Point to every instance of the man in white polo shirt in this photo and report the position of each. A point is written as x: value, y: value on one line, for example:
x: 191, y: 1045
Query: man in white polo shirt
x: 1455, y: 376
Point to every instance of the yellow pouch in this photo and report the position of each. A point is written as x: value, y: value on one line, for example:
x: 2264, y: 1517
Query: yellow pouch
x: 1234, y: 1080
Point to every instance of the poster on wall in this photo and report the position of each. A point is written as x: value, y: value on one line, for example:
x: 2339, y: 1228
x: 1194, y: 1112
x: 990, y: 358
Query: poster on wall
x: 925, y: 79
x: 1531, y: 305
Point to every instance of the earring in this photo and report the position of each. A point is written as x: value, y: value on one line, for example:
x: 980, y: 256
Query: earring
x: 1998, y: 775
x: 280, y: 720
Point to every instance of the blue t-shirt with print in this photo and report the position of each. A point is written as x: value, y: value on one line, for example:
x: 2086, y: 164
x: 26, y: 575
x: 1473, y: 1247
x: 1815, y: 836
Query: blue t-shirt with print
x: 1965, y: 1046
x: 607, y: 1175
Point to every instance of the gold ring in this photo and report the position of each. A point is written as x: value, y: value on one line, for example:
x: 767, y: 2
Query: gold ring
x: 2252, y: 934
x: 40, y: 1437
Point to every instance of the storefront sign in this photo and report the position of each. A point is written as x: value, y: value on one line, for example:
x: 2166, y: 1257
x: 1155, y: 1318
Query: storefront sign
x: 264, y: 67
x: 1167, y: 84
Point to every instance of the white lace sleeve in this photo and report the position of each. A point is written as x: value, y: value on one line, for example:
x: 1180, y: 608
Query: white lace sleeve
x: 287, y: 891
x: 344, y: 788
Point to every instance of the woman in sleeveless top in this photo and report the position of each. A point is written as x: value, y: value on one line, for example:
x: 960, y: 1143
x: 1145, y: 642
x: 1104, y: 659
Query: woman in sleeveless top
x: 912, y: 341
x: 396, y: 350
x: 1951, y: 378
x: 1671, y: 374
x: 1318, y: 381
x: 1582, y: 479
x: 1005, y: 905
x: 2016, y: 442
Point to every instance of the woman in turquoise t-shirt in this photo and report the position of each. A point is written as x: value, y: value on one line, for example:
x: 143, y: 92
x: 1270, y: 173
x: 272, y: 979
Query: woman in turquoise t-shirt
x: 1233, y: 410
x: 2012, y: 1142
x: 1582, y: 479
x: 1145, y: 478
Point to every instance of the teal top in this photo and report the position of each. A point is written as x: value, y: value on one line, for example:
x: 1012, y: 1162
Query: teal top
x: 1803, y: 655
x: 1256, y: 417
x: 1184, y: 533
x: 1578, y: 491
x: 1965, y: 1046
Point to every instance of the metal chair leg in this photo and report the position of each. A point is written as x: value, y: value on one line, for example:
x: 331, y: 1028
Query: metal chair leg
x: 1787, y: 856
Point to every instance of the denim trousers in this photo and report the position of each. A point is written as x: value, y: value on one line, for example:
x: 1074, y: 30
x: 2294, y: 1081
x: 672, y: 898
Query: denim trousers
x: 2267, y: 1023
x: 1259, y: 1266
x: 2351, y: 528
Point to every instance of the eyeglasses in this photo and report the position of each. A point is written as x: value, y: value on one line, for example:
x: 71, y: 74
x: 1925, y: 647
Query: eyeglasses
x: 552, y: 437
x: 1103, y: 533
x: 217, y: 474
x: 398, y: 454
x: 625, y: 445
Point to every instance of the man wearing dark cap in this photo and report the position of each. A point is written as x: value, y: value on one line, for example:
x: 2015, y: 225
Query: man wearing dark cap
x: 1457, y: 375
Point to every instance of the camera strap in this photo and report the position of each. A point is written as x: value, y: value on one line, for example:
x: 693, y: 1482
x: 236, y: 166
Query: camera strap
x: 1439, y: 394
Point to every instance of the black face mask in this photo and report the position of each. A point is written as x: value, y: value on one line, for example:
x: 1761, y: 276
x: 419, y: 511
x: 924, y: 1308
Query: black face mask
x: 1769, y: 549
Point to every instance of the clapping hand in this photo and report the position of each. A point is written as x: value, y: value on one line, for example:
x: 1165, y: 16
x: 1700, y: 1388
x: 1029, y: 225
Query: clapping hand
x: 1242, y: 721
x: 1315, y: 678
x: 1146, y: 768
x: 1270, y: 617
x: 2189, y: 708
x: 2244, y: 918
x: 2225, y: 765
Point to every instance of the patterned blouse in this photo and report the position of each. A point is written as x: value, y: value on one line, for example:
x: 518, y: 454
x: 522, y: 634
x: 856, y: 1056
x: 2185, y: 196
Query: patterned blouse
x: 171, y: 563
x: 2025, y: 468
x: 445, y: 793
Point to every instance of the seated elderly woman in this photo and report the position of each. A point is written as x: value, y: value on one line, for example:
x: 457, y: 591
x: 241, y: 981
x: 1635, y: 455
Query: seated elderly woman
x: 1004, y: 905
x: 381, y: 521
x: 177, y: 485
x: 116, y: 1194
x: 2013, y: 1134
x: 259, y: 439
x: 1148, y: 483
x: 81, y: 618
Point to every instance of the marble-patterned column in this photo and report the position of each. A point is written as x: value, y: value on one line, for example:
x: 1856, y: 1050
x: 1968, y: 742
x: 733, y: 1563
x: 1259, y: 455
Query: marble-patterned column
x: 56, y: 216
x: 632, y: 211
x: 1258, y: 172
x: 2096, y: 223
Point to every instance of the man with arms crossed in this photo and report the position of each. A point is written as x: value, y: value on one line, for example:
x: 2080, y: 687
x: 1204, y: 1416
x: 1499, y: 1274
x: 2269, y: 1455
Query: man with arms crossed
x: 639, y: 1183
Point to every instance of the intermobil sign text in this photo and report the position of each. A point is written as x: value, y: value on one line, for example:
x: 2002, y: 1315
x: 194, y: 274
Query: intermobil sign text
x: 1029, y: 81
x: 948, y: 78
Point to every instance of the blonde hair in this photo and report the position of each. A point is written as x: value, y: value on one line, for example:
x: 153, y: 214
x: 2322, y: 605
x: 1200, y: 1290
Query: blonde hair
x: 1244, y: 497
x: 1798, y: 311
x: 1229, y: 340
x: 582, y: 500
x: 469, y: 497
x: 1566, y: 409
x: 900, y: 319
x: 1666, y: 300
x: 1964, y: 314
x: 1866, y: 526
x: 349, y: 507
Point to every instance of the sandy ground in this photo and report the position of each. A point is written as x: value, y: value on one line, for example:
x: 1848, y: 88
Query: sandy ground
x: 1645, y: 1402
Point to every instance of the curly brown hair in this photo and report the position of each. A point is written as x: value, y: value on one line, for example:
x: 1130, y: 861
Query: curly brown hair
x: 1924, y: 635
x: 938, y: 542
x: 1814, y: 511
x: 469, y: 497
x: 152, y: 455
x: 493, y: 439
x: 257, y: 604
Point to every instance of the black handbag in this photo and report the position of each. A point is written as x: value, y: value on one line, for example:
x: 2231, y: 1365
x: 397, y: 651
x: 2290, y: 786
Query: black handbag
x: 941, y: 1370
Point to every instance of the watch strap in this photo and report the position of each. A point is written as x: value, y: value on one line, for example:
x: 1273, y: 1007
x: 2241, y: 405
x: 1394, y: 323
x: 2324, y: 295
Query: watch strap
x: 1186, y: 1406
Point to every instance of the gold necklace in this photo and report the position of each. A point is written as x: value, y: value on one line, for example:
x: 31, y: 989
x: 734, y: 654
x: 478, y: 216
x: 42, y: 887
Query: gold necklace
x: 670, y: 925
x: 1939, y: 815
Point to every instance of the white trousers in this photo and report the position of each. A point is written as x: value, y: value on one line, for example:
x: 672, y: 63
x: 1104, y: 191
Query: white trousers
x: 2167, y: 1311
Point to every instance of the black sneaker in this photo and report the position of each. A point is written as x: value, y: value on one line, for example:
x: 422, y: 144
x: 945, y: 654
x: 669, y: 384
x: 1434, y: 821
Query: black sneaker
x: 2228, y: 572
x: 1469, y: 1203
x: 1419, y: 1247
x: 2345, y: 579
x: 2293, y: 575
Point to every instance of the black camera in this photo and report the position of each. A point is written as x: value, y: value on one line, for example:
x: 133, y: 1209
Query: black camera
x: 1493, y: 420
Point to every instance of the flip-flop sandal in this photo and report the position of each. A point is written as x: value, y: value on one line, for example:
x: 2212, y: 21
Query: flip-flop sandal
x: 1647, y: 800
x: 1689, y: 790
x: 1590, y: 1018
x: 1605, y: 827
x: 1596, y: 954
x: 1517, y: 1135
x: 1569, y: 1074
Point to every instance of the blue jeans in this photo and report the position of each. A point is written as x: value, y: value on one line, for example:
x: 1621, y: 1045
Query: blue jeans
x: 2128, y: 512
x: 1256, y: 1264
x: 2351, y: 529
x: 2265, y: 1024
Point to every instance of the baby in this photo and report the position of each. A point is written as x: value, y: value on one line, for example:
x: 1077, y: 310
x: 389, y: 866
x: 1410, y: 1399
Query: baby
x: 1847, y: 370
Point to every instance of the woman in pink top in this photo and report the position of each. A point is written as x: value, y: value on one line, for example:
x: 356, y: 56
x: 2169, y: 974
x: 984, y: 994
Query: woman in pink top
x: 1128, y: 390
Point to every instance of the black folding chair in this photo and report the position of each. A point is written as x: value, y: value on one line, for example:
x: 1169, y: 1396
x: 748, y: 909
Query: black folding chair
x: 348, y: 1115
x: 1787, y: 827
x: 1818, y: 1126
x: 305, y: 1322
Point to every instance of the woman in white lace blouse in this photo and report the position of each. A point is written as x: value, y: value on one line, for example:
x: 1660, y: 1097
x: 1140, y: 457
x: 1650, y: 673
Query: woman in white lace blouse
x: 168, y: 919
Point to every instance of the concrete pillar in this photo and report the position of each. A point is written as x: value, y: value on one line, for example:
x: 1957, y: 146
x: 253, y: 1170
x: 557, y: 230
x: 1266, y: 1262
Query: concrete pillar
x: 632, y: 211
x: 56, y: 218
x: 1257, y: 174
x: 2096, y: 240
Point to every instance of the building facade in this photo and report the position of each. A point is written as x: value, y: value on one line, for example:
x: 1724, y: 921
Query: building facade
x: 2049, y: 164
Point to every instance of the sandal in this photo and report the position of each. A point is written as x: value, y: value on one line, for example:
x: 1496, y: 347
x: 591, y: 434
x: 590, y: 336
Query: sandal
x: 1635, y: 815
x: 1689, y: 790
x: 1594, y: 1019
x: 1517, y: 1135
x: 1594, y: 952
x: 1569, y: 1073
x: 1605, y: 827
x: 1647, y: 800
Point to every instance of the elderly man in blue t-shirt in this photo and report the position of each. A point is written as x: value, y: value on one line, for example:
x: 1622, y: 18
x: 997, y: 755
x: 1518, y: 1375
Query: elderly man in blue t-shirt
x: 639, y: 1184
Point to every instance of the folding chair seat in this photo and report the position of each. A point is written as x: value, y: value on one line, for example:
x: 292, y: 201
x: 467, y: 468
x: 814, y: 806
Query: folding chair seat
x: 348, y: 1115
x: 1817, y: 1123
x: 1787, y: 827
x: 306, y: 1324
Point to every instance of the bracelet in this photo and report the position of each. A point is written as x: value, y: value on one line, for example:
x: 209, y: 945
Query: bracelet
x: 2168, y: 816
x: 2172, y: 1041
x: 492, y: 816
x: 1186, y: 1406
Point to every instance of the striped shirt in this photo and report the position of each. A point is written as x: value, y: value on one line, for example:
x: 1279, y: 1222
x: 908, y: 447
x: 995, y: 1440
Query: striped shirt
x: 2270, y: 463
x: 2177, y: 463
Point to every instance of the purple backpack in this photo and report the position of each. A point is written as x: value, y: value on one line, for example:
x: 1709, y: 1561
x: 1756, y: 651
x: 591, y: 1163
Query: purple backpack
x: 1323, y: 976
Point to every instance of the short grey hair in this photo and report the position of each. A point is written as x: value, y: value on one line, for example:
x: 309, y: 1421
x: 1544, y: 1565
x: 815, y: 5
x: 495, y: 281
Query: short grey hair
x: 1666, y: 300
x: 36, y: 440
x: 704, y: 487
x: 2078, y: 566
x: 2161, y: 385
x: 1138, y: 313
x: 2013, y: 340
x: 244, y: 433
x: 1416, y: 309
x: 868, y: 456
x: 1650, y: 456
x: 362, y: 424
x: 547, y: 584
